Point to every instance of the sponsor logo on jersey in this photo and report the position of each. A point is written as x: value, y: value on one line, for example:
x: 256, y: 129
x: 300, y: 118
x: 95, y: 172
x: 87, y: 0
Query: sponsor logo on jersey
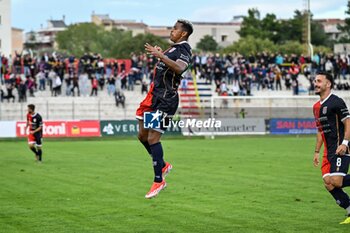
x: 324, y: 110
x: 171, y: 50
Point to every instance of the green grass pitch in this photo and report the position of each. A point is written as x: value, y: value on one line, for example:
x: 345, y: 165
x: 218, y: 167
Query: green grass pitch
x: 235, y: 184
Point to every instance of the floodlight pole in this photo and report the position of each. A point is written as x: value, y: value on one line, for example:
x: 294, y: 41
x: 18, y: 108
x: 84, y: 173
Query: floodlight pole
x: 311, y: 50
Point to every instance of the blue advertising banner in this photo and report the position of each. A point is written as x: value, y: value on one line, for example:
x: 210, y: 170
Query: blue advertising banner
x: 293, y: 126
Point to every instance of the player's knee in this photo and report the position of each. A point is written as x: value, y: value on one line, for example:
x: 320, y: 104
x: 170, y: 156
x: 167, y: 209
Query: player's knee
x: 328, y: 183
x: 336, y: 182
x: 142, y: 137
x: 152, y: 140
x: 328, y: 186
x: 153, y: 137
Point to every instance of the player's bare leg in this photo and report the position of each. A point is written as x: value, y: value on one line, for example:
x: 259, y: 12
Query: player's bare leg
x: 327, y: 183
x: 334, y: 186
x: 153, y: 137
x: 33, y: 148
x: 143, y: 137
x: 337, y: 181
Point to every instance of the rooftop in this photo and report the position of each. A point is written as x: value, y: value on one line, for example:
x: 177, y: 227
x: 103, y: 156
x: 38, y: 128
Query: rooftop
x: 161, y: 31
x: 57, y: 23
x: 330, y: 21
x: 17, y: 29
x: 218, y: 23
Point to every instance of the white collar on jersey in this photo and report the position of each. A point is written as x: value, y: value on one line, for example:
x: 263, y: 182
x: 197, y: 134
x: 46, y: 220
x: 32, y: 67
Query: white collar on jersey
x: 322, y: 102
x: 182, y: 42
x: 34, y: 115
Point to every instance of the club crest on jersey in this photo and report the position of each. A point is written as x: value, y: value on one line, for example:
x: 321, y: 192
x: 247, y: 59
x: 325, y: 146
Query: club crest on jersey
x: 171, y: 50
x: 34, y: 120
x: 324, y: 110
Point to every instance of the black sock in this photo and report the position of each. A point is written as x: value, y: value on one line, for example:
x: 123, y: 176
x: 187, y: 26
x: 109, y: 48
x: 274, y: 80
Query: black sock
x: 346, y: 181
x: 148, y: 148
x: 40, y: 152
x: 34, y: 150
x: 340, y: 197
x: 157, y: 154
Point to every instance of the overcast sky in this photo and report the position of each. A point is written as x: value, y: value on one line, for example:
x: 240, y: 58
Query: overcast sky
x: 30, y: 14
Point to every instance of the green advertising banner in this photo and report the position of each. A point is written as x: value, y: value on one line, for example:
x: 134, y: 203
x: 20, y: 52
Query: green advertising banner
x: 127, y: 128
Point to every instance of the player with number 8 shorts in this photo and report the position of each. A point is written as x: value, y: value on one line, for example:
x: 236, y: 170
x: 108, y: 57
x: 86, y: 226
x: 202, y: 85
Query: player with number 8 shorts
x: 333, y: 123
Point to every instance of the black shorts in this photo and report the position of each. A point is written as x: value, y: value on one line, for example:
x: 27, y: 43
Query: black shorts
x: 35, y: 139
x: 167, y: 103
x: 339, y: 165
x: 161, y: 121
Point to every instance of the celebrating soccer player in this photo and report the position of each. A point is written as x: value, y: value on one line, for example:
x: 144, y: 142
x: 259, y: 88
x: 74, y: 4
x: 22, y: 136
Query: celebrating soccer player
x: 333, y: 123
x: 163, y: 97
x: 35, y: 124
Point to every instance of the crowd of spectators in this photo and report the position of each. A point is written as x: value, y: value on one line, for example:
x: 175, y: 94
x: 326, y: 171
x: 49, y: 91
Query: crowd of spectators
x: 238, y: 75
x: 67, y: 76
x: 232, y: 74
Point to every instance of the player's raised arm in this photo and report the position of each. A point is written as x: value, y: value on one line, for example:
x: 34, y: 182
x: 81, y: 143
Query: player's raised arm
x: 179, y: 34
x: 177, y: 66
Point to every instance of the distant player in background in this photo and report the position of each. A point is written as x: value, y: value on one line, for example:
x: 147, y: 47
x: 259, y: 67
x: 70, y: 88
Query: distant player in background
x: 333, y: 123
x: 163, y: 97
x: 35, y: 124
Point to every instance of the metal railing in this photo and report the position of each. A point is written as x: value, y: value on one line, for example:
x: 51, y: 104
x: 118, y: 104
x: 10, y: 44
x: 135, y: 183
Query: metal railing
x: 68, y: 109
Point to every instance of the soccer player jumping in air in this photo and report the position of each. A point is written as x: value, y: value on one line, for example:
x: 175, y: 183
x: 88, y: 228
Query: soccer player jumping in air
x: 35, y: 124
x: 333, y: 123
x: 163, y: 97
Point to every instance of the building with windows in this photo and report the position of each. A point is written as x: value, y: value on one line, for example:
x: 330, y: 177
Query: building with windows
x: 5, y: 27
x: 161, y: 31
x: 330, y: 27
x: 224, y: 33
x: 44, y: 38
x: 125, y: 25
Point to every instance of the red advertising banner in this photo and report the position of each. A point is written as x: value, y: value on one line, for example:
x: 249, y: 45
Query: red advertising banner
x: 83, y: 129
x: 58, y: 129
x: 51, y: 129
